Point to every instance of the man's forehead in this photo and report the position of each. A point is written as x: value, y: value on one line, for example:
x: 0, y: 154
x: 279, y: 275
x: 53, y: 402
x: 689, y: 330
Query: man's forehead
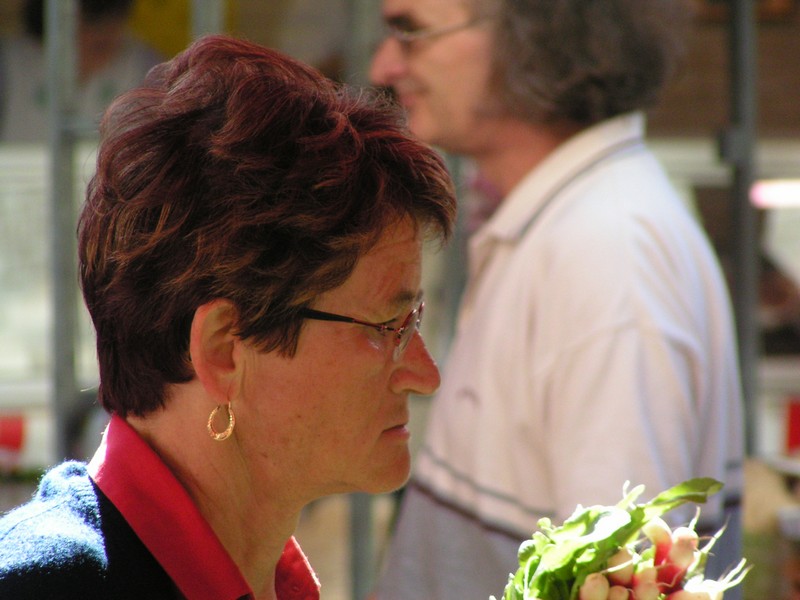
x: 392, y: 8
x: 421, y: 8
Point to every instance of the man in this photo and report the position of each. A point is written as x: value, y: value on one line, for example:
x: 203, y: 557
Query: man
x: 594, y: 343
x: 109, y: 61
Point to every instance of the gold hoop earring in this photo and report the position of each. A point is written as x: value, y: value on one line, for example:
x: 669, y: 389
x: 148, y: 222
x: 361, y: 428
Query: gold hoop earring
x: 222, y: 435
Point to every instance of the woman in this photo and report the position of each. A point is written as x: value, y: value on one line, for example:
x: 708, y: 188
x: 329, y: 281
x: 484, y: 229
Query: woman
x: 250, y: 255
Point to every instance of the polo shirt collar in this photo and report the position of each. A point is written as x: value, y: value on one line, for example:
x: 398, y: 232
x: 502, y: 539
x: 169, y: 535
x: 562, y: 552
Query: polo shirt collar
x: 576, y: 155
x: 164, y: 517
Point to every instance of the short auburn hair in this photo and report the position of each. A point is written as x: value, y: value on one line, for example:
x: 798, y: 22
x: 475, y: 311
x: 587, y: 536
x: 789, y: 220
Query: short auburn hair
x: 237, y: 172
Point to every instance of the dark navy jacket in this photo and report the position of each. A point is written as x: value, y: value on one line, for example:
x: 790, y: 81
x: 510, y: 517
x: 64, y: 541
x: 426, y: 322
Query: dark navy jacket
x: 70, y: 543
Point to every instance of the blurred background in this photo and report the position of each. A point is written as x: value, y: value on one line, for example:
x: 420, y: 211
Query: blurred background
x: 728, y: 131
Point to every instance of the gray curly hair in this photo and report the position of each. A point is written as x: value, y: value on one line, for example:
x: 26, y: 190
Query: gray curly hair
x: 583, y: 60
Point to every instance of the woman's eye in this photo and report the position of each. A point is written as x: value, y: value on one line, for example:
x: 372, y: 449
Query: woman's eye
x: 408, y: 29
x: 376, y: 333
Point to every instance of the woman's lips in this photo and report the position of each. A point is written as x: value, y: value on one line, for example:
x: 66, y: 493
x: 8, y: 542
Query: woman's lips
x: 398, y: 431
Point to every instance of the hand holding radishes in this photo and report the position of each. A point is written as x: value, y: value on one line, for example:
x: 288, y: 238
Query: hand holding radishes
x: 622, y: 552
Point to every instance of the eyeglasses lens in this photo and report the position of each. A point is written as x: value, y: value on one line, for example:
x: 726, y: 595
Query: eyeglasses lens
x: 407, y: 331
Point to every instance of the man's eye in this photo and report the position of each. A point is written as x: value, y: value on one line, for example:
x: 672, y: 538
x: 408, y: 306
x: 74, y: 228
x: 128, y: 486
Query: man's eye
x: 404, y: 26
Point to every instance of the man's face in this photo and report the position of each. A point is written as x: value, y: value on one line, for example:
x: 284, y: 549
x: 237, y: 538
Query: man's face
x: 441, y: 80
x: 333, y: 418
x: 99, y: 43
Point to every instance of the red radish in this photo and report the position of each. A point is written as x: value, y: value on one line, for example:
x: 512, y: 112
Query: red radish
x: 645, y: 574
x: 681, y: 556
x: 712, y: 588
x: 686, y: 595
x: 620, y: 567
x: 646, y: 590
x: 618, y: 592
x: 685, y: 535
x: 595, y: 587
x: 660, y: 535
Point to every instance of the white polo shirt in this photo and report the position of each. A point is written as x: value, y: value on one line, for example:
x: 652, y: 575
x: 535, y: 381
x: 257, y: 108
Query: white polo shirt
x: 594, y: 346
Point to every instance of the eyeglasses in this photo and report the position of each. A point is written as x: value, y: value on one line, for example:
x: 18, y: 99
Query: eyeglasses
x: 405, y: 32
x: 402, y: 334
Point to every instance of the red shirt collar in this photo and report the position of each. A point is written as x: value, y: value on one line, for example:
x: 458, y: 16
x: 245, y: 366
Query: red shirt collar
x: 163, y: 516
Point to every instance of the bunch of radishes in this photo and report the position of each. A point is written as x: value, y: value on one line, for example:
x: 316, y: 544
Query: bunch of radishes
x: 663, y: 572
x: 622, y: 552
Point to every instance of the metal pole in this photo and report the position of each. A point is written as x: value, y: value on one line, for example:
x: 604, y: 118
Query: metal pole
x: 362, y: 548
x: 363, y: 21
x: 61, y: 20
x: 738, y: 149
x: 208, y: 16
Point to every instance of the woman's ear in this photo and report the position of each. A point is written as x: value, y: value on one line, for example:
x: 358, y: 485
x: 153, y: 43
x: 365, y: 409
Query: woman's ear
x: 213, y: 347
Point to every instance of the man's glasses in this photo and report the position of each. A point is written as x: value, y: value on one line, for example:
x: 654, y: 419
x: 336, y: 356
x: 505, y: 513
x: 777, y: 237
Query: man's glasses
x: 402, y: 334
x: 406, y: 33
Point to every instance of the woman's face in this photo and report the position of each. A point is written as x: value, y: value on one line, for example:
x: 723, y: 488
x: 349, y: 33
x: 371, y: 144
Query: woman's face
x: 333, y: 418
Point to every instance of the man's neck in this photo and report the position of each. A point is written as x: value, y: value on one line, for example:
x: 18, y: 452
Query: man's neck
x: 517, y: 149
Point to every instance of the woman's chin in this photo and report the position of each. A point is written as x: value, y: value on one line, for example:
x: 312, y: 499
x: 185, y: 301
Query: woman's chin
x: 391, y: 478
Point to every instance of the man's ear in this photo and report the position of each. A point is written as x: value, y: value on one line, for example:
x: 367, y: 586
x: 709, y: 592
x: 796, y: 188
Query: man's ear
x: 213, y: 347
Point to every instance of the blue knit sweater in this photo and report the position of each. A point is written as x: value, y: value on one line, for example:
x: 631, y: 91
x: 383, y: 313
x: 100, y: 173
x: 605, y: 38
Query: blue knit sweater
x: 70, y: 543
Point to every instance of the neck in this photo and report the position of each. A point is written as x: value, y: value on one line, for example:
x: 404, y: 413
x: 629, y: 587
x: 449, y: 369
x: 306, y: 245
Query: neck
x: 253, y: 527
x: 252, y: 524
x: 518, y: 148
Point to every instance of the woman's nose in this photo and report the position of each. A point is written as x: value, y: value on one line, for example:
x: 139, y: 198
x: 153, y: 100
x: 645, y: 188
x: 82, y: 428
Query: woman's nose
x: 416, y: 370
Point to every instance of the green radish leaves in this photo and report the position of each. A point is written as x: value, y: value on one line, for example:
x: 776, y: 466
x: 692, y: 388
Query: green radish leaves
x: 556, y: 561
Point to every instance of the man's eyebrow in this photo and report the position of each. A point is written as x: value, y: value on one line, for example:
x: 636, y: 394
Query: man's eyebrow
x: 402, y: 21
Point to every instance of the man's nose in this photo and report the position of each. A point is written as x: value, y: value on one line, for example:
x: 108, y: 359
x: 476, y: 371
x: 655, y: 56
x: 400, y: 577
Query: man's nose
x: 387, y: 63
